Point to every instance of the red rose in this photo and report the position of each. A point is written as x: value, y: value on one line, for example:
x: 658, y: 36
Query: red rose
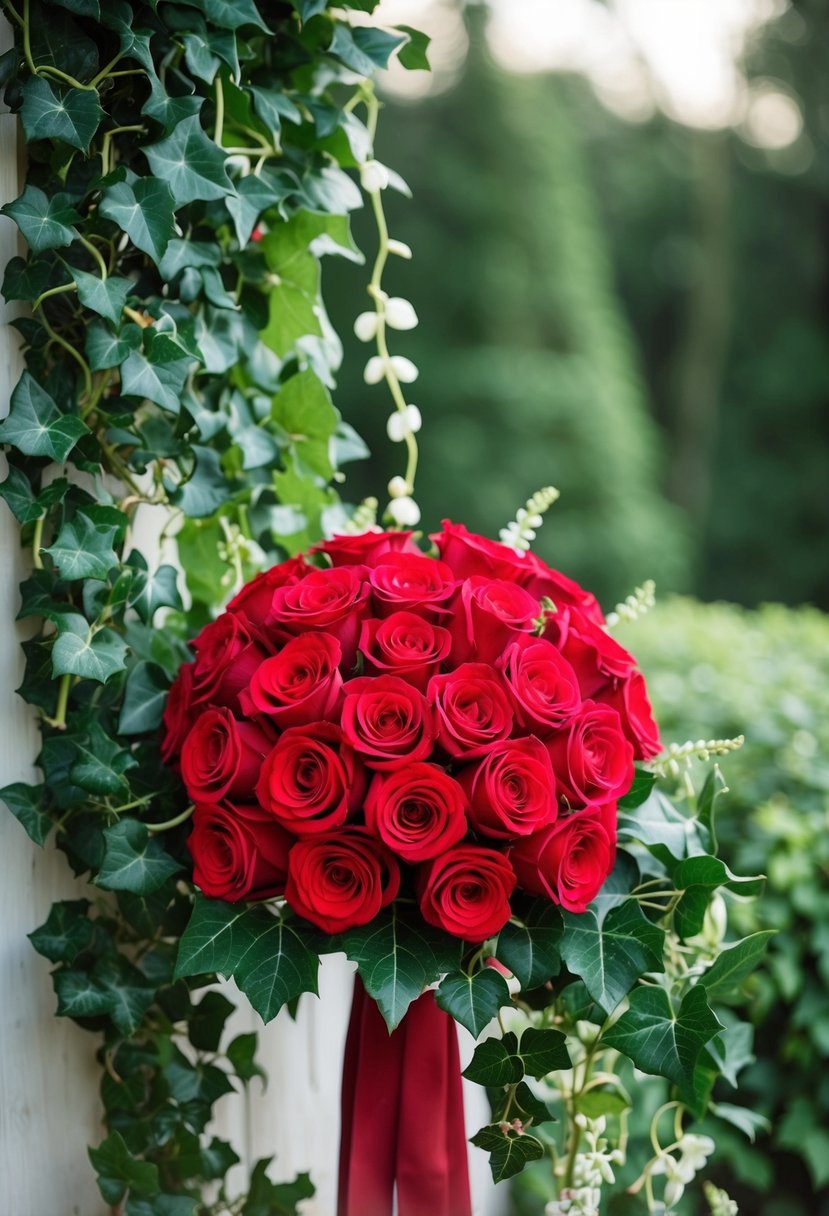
x: 366, y: 549
x: 334, y: 601
x: 412, y: 583
x: 300, y: 684
x: 311, y: 780
x: 470, y: 554
x: 592, y: 759
x: 341, y: 879
x: 512, y: 790
x: 418, y: 811
x: 569, y: 861
x: 597, y: 659
x: 221, y: 757
x: 255, y: 597
x: 466, y: 891
x: 544, y: 687
x: 387, y: 721
x: 179, y: 714
x: 541, y: 580
x: 630, y: 700
x: 473, y: 709
x: 404, y: 645
x: 239, y: 852
x: 489, y: 615
x: 226, y: 658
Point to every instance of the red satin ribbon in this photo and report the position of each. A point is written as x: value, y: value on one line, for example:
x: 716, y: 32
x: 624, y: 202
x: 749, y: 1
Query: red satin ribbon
x: 402, y: 1114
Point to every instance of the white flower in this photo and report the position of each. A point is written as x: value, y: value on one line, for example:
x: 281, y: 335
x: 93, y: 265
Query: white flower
x: 404, y: 369
x: 400, y: 314
x: 404, y: 511
x: 400, y: 249
x: 413, y: 418
x: 374, y: 176
x: 375, y: 370
x: 365, y: 327
x: 674, y: 1190
x: 398, y: 487
x: 403, y: 422
x: 694, y: 1152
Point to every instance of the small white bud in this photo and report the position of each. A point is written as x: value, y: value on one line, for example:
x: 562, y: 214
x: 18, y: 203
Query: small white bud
x: 238, y: 164
x: 396, y: 427
x: 374, y: 176
x: 375, y: 370
x: 404, y: 369
x: 398, y: 487
x: 400, y: 314
x: 400, y: 249
x: 404, y: 511
x: 365, y: 327
x: 414, y: 420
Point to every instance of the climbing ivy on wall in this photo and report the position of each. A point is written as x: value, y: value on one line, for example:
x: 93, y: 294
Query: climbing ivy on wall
x: 188, y: 172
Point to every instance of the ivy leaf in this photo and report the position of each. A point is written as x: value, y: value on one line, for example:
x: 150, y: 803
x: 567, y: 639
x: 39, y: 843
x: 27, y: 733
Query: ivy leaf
x: 133, y: 859
x: 697, y: 877
x: 118, y: 1171
x: 84, y: 548
x: 508, y: 1151
x: 271, y: 106
x: 190, y: 163
x: 81, y: 651
x: 144, y: 698
x: 206, y: 1023
x: 241, y: 1053
x: 749, y: 1122
x: 27, y: 804
x: 530, y: 950
x: 304, y: 410
x: 25, y: 280
x: 161, y: 1205
x: 397, y: 959
x: 664, y: 831
x: 79, y: 996
x: 266, y: 1198
x: 46, y: 222
x: 734, y: 965
x: 144, y: 209
x: 106, y: 297
x: 362, y: 48
x: 35, y: 425
x: 230, y: 14
x: 205, y: 490
x: 66, y: 932
x: 611, y: 957
x: 22, y: 501
x: 413, y: 55
x: 129, y: 994
x: 531, y: 1107
x: 51, y: 111
x: 473, y: 1000
x: 640, y: 790
x: 106, y: 349
x: 496, y: 1062
x: 101, y: 763
x: 158, y: 382
x: 661, y: 1041
x: 543, y: 1051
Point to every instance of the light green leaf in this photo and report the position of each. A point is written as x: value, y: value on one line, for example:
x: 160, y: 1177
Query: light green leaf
x: 144, y: 209
x: 749, y: 1122
x: 473, y: 1000
x: 611, y: 958
x: 190, y: 163
x: 46, y: 222
x: 81, y: 651
x: 51, y: 111
x: 84, y: 548
x: 133, y: 859
x: 304, y: 410
x: 413, y: 55
x: 35, y: 425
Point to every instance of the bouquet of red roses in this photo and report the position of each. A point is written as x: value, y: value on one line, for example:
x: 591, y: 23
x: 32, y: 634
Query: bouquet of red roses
x: 383, y: 722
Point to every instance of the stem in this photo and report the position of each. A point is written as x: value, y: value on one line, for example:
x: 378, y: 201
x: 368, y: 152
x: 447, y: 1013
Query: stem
x: 220, y: 111
x: 102, y: 266
x: 70, y: 350
x: 27, y: 40
x: 53, y: 291
x: 171, y: 823
x: 37, y: 537
x: 59, y: 720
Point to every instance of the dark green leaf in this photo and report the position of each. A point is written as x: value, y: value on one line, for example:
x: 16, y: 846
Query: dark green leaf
x: 241, y: 1053
x: 158, y: 382
x: 144, y: 699
x: 144, y: 209
x: 611, y: 958
x: 118, y: 1171
x: 27, y: 804
x: 66, y: 932
x: 530, y: 1108
x: 161, y: 1205
x: 190, y: 163
x: 133, y: 859
x: 106, y: 297
x: 101, y: 763
x: 80, y: 651
x: 473, y: 1000
x: 266, y: 1198
x: 205, y: 490
x: 508, y: 1151
x: 643, y: 783
x: 530, y: 950
x: 496, y: 1062
x: 543, y: 1051
x: 734, y: 965
x: 51, y: 111
x: 46, y: 222
x: 231, y: 14
x: 84, y: 548
x: 25, y: 280
x: 35, y: 425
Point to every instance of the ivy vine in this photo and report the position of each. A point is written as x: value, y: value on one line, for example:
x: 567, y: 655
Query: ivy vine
x: 188, y: 170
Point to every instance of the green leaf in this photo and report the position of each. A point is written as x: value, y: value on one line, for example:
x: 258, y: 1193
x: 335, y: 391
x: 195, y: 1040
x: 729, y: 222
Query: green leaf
x: 271, y: 106
x: 27, y: 804
x: 46, y: 222
x: 473, y: 1000
x: 206, y: 1023
x: 84, y: 548
x: 144, y: 209
x: 129, y: 993
x: 543, y: 1051
x: 22, y: 501
x: 158, y: 382
x: 597, y: 1102
x: 640, y: 790
x: 79, y: 996
x: 51, y: 111
x: 66, y: 932
x: 734, y: 965
x: 530, y: 950
x: 230, y: 14
x: 304, y: 410
x: 529, y: 1107
x: 161, y: 1205
x: 749, y: 1122
x: 105, y: 349
x: 664, y: 831
x: 133, y: 859
x: 661, y: 1041
x: 413, y: 54
x: 508, y: 1151
x: 118, y: 1171
x: 35, y: 425
x: 81, y: 651
x: 496, y: 1062
x: 144, y: 698
x: 266, y: 1198
x: 106, y: 297
x: 26, y: 280
x: 363, y: 48
x: 611, y: 957
x: 803, y: 1135
x: 710, y: 872
x: 101, y: 763
x: 190, y: 163
x: 397, y: 959
x: 241, y: 1054
x: 205, y: 490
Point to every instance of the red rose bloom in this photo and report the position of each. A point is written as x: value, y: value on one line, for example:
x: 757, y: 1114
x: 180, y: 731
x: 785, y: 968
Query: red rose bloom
x: 226, y: 658
x: 418, y: 811
x: 179, y: 713
x: 512, y: 790
x: 597, y: 659
x: 387, y: 721
x: 592, y: 759
x: 221, y: 757
x: 544, y: 687
x: 569, y: 861
x: 366, y: 549
x: 334, y: 601
x: 469, y: 554
x: 341, y: 879
x: 301, y: 684
x: 490, y: 614
x: 630, y: 700
x: 408, y: 582
x: 466, y: 891
x: 238, y: 851
x: 473, y: 709
x: 311, y: 781
x: 255, y: 598
x: 541, y: 580
x: 404, y: 645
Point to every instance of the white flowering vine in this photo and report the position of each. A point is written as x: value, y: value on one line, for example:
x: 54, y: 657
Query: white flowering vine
x: 521, y: 532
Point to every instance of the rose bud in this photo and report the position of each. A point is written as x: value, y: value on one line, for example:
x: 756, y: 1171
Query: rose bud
x: 544, y: 688
x: 227, y: 655
x: 473, y: 709
x: 179, y: 714
x: 408, y: 582
x: 341, y: 879
x: 570, y: 861
x: 630, y: 700
x: 239, y: 852
x: 300, y: 684
x: 511, y: 790
x: 418, y: 811
x: 592, y: 759
x: 311, y: 781
x: 367, y: 548
x: 404, y: 645
x: 490, y: 614
x: 387, y: 721
x: 221, y: 757
x: 466, y: 891
x: 334, y: 601
x: 597, y: 659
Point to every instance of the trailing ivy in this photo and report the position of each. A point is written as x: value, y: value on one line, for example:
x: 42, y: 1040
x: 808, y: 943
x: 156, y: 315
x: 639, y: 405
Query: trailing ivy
x: 188, y: 171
